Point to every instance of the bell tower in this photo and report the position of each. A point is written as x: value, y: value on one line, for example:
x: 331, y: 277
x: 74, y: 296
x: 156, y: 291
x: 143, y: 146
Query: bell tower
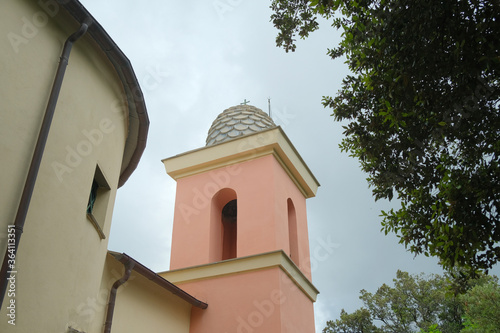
x: 240, y: 240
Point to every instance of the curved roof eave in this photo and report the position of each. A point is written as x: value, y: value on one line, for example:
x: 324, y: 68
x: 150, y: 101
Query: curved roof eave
x: 138, y: 117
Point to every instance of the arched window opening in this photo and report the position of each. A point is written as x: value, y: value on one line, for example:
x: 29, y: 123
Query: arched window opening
x: 223, y: 230
x: 229, y: 230
x: 292, y: 232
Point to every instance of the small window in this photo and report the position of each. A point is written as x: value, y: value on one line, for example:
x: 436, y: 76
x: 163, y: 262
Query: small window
x: 229, y: 229
x: 98, y: 202
x: 72, y: 330
x: 92, y: 197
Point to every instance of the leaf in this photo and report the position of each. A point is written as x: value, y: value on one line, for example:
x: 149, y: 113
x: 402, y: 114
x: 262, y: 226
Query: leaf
x: 422, y: 103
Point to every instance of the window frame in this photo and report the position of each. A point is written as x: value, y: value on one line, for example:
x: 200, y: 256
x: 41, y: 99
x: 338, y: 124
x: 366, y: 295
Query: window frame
x: 96, y: 210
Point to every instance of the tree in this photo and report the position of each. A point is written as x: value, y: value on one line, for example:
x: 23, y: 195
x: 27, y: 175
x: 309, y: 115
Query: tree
x: 482, y: 308
x: 418, y: 303
x: 432, y: 329
x: 423, y: 104
x: 414, y: 302
x: 359, y: 321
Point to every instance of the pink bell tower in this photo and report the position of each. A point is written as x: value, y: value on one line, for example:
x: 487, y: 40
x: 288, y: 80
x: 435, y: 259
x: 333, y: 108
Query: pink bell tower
x: 240, y: 240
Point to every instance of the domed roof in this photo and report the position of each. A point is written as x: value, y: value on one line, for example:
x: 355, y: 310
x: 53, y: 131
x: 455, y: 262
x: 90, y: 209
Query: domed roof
x: 237, y: 121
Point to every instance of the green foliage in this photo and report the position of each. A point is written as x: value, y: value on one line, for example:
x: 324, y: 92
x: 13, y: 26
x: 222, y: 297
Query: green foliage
x: 425, y: 304
x: 432, y: 329
x: 423, y: 104
x: 482, y: 308
x: 413, y: 302
x: 357, y: 322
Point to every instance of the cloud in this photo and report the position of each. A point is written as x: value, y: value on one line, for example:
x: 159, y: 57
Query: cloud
x: 207, y: 59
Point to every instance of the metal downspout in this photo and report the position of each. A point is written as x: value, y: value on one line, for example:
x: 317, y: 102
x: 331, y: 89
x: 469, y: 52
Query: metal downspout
x: 129, y: 265
x: 39, y: 150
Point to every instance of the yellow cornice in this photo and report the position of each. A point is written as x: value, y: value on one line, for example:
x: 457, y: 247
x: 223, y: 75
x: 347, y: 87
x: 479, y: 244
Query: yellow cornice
x: 268, y: 142
x: 242, y: 265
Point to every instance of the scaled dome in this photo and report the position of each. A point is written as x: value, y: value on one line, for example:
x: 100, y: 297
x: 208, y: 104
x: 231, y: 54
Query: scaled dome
x: 237, y: 121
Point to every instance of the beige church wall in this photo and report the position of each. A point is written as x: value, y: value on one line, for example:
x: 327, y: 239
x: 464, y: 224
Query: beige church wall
x: 27, y: 75
x: 141, y: 305
x: 60, y: 256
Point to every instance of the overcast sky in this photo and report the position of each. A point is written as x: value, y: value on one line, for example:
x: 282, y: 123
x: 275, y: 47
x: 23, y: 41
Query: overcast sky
x: 193, y: 60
